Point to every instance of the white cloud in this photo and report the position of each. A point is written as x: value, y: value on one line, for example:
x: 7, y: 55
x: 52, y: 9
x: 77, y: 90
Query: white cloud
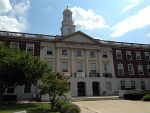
x: 139, y: 20
x: 15, y: 19
x: 87, y: 19
x: 132, y: 5
x: 5, y: 6
x: 127, y: 8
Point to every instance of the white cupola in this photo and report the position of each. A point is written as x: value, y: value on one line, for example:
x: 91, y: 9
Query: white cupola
x: 67, y: 23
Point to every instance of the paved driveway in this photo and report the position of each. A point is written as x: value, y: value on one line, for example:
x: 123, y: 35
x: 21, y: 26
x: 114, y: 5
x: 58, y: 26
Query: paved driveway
x: 114, y: 106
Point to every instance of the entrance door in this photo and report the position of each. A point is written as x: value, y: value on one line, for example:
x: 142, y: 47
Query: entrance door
x: 81, y: 88
x: 95, y: 86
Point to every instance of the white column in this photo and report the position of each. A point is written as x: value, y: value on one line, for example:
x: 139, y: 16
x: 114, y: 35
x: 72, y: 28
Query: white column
x: 72, y: 65
x: 86, y: 62
x: 98, y: 61
x: 58, y: 64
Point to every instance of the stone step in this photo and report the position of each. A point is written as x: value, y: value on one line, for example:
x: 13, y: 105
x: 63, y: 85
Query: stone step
x: 94, y: 98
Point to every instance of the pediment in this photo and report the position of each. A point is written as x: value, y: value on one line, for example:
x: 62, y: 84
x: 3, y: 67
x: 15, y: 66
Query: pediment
x: 79, y: 37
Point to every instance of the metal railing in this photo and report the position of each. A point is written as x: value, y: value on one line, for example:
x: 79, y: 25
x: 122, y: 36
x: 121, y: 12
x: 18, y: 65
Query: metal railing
x: 107, y: 75
x: 19, y: 34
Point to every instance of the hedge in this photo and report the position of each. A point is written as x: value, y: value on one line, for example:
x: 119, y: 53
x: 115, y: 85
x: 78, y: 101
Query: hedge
x: 67, y: 107
x: 146, y: 97
x: 136, y: 96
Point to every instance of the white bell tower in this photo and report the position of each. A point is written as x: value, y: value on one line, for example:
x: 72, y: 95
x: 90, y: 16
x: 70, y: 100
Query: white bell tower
x: 67, y: 23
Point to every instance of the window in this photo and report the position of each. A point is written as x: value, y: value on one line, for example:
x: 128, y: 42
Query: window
x: 14, y: 44
x: 133, y: 84
x: 148, y: 69
x: 140, y: 70
x: 130, y: 69
x: 108, y: 86
x: 138, y: 55
x: 104, y: 54
x: 142, y: 85
x: 128, y: 55
x: 118, y: 54
x: 78, y: 52
x: 64, y: 67
x: 147, y: 56
x: 93, y: 68
x: 105, y: 68
x: 27, y: 88
x: 79, y: 67
x: 69, y: 30
x: 120, y: 69
x: 64, y: 52
x: 49, y: 51
x: 92, y: 53
x: 10, y: 89
x: 30, y: 48
x: 122, y: 85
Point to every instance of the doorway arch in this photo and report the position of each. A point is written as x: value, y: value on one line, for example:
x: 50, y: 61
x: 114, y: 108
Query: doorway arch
x: 81, y: 88
x: 96, y: 88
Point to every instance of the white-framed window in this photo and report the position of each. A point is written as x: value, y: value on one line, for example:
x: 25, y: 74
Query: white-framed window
x: 11, y: 88
x: 138, y: 55
x: 79, y: 67
x: 120, y: 69
x: 118, y: 54
x: 92, y: 53
x: 105, y: 54
x: 140, y: 70
x: 142, y: 85
x: 64, y: 51
x: 122, y: 85
x: 130, y: 69
x: 78, y: 53
x: 27, y: 88
x: 30, y: 48
x: 128, y: 55
x: 148, y: 69
x: 65, y: 67
x: 105, y: 68
x: 14, y: 44
x: 93, y: 68
x: 147, y: 56
x: 133, y: 85
x: 49, y: 51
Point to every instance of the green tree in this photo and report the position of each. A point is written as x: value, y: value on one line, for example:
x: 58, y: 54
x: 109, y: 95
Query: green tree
x: 55, y: 85
x: 18, y: 67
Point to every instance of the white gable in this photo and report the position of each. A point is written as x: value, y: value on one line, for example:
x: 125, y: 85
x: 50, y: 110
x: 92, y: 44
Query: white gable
x: 79, y: 38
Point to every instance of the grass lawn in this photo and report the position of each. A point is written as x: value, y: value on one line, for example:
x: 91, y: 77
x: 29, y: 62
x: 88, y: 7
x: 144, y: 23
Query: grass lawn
x: 30, y: 108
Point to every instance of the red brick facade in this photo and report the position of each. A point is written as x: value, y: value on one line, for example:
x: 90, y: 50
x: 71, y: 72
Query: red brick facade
x: 22, y: 43
x: 133, y: 61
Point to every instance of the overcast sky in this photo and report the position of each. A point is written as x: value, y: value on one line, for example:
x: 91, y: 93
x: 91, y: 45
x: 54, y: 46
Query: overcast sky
x: 115, y: 20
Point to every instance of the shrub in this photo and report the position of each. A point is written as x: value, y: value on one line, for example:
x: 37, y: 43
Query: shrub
x: 9, y: 97
x: 136, y: 96
x: 146, y: 97
x: 67, y: 107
